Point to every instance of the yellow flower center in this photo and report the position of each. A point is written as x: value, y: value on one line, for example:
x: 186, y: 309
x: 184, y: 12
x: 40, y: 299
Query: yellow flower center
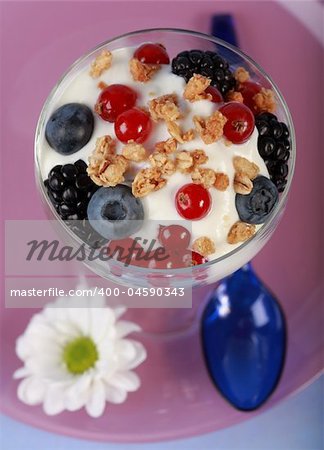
x: 80, y: 355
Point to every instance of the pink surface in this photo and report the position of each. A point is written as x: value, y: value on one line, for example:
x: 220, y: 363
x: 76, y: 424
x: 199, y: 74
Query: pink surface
x: 177, y: 398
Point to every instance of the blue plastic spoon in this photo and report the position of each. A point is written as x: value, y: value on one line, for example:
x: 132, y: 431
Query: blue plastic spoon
x: 243, y: 328
x: 244, y: 339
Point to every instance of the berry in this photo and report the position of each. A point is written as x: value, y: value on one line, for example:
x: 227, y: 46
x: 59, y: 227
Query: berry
x: 152, y: 54
x: 248, y: 90
x: 216, y: 95
x: 274, y: 147
x: 69, y: 128
x: 133, y: 124
x: 174, y: 237
x: 208, y: 64
x: 197, y: 258
x: 193, y: 201
x: 255, y: 207
x: 240, y: 122
x: 114, y: 100
x: 70, y: 201
x: 126, y: 250
x: 114, y: 212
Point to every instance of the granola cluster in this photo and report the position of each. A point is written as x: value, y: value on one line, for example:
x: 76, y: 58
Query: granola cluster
x: 204, y: 246
x: 195, y: 88
x: 240, y: 232
x: 168, y: 146
x: 264, y: 101
x: 146, y: 181
x: 105, y: 167
x: 241, y: 75
x: 205, y: 177
x: 134, y: 152
x: 101, y: 63
x: 164, y: 108
x: 162, y: 162
x: 175, y: 131
x: 211, y: 128
x: 245, y: 172
x: 234, y: 96
x: 141, y: 71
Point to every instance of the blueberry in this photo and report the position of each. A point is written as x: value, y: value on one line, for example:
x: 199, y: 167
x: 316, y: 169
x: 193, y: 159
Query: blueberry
x: 114, y: 212
x: 255, y: 207
x: 69, y: 128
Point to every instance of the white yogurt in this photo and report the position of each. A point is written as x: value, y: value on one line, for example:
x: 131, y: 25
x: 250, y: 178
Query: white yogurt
x: 159, y: 206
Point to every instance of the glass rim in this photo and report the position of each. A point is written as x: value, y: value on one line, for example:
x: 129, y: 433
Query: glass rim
x: 282, y: 198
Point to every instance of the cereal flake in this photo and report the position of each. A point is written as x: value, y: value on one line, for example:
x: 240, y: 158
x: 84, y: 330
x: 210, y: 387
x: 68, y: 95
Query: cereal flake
x: 101, y: 64
x: 199, y: 156
x: 205, y: 177
x: 211, y: 128
x: 245, y: 166
x: 264, y: 101
x: 142, y: 72
x: 184, y: 161
x: 221, y: 181
x: 146, y: 181
x: 204, y: 246
x: 240, y: 232
x: 242, y: 183
x: 162, y: 162
x: 234, y: 96
x: 176, y: 132
x: 168, y: 146
x: 195, y: 88
x: 241, y: 75
x: 134, y: 152
x: 164, y: 108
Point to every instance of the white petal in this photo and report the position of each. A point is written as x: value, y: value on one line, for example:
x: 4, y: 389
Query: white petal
x: 130, y: 353
x: 129, y: 381
x: 80, y: 318
x: 22, y: 372
x: 119, y: 311
x: 54, y: 399
x: 97, y: 399
x: 31, y: 391
x: 115, y: 395
x: 77, y: 394
x: 102, y: 321
x: 123, y: 328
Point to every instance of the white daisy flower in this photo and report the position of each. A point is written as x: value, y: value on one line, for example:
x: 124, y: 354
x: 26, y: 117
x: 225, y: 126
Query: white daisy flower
x: 76, y: 355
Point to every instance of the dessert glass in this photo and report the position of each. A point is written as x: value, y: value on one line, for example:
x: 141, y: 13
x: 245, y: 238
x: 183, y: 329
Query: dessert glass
x: 175, y: 40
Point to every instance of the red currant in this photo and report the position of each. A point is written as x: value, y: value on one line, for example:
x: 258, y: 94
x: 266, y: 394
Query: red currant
x: 240, y: 122
x: 133, y: 124
x: 193, y: 201
x: 248, y: 90
x: 152, y: 54
x: 174, y: 237
x: 126, y: 250
x: 216, y: 95
x: 196, y: 259
x: 114, y: 100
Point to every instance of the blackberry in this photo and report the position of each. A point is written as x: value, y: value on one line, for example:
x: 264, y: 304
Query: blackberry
x: 208, y: 64
x: 70, y: 189
x: 274, y: 147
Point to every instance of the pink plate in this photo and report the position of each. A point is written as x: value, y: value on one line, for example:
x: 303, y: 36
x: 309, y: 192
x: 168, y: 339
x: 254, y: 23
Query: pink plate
x: 177, y: 398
